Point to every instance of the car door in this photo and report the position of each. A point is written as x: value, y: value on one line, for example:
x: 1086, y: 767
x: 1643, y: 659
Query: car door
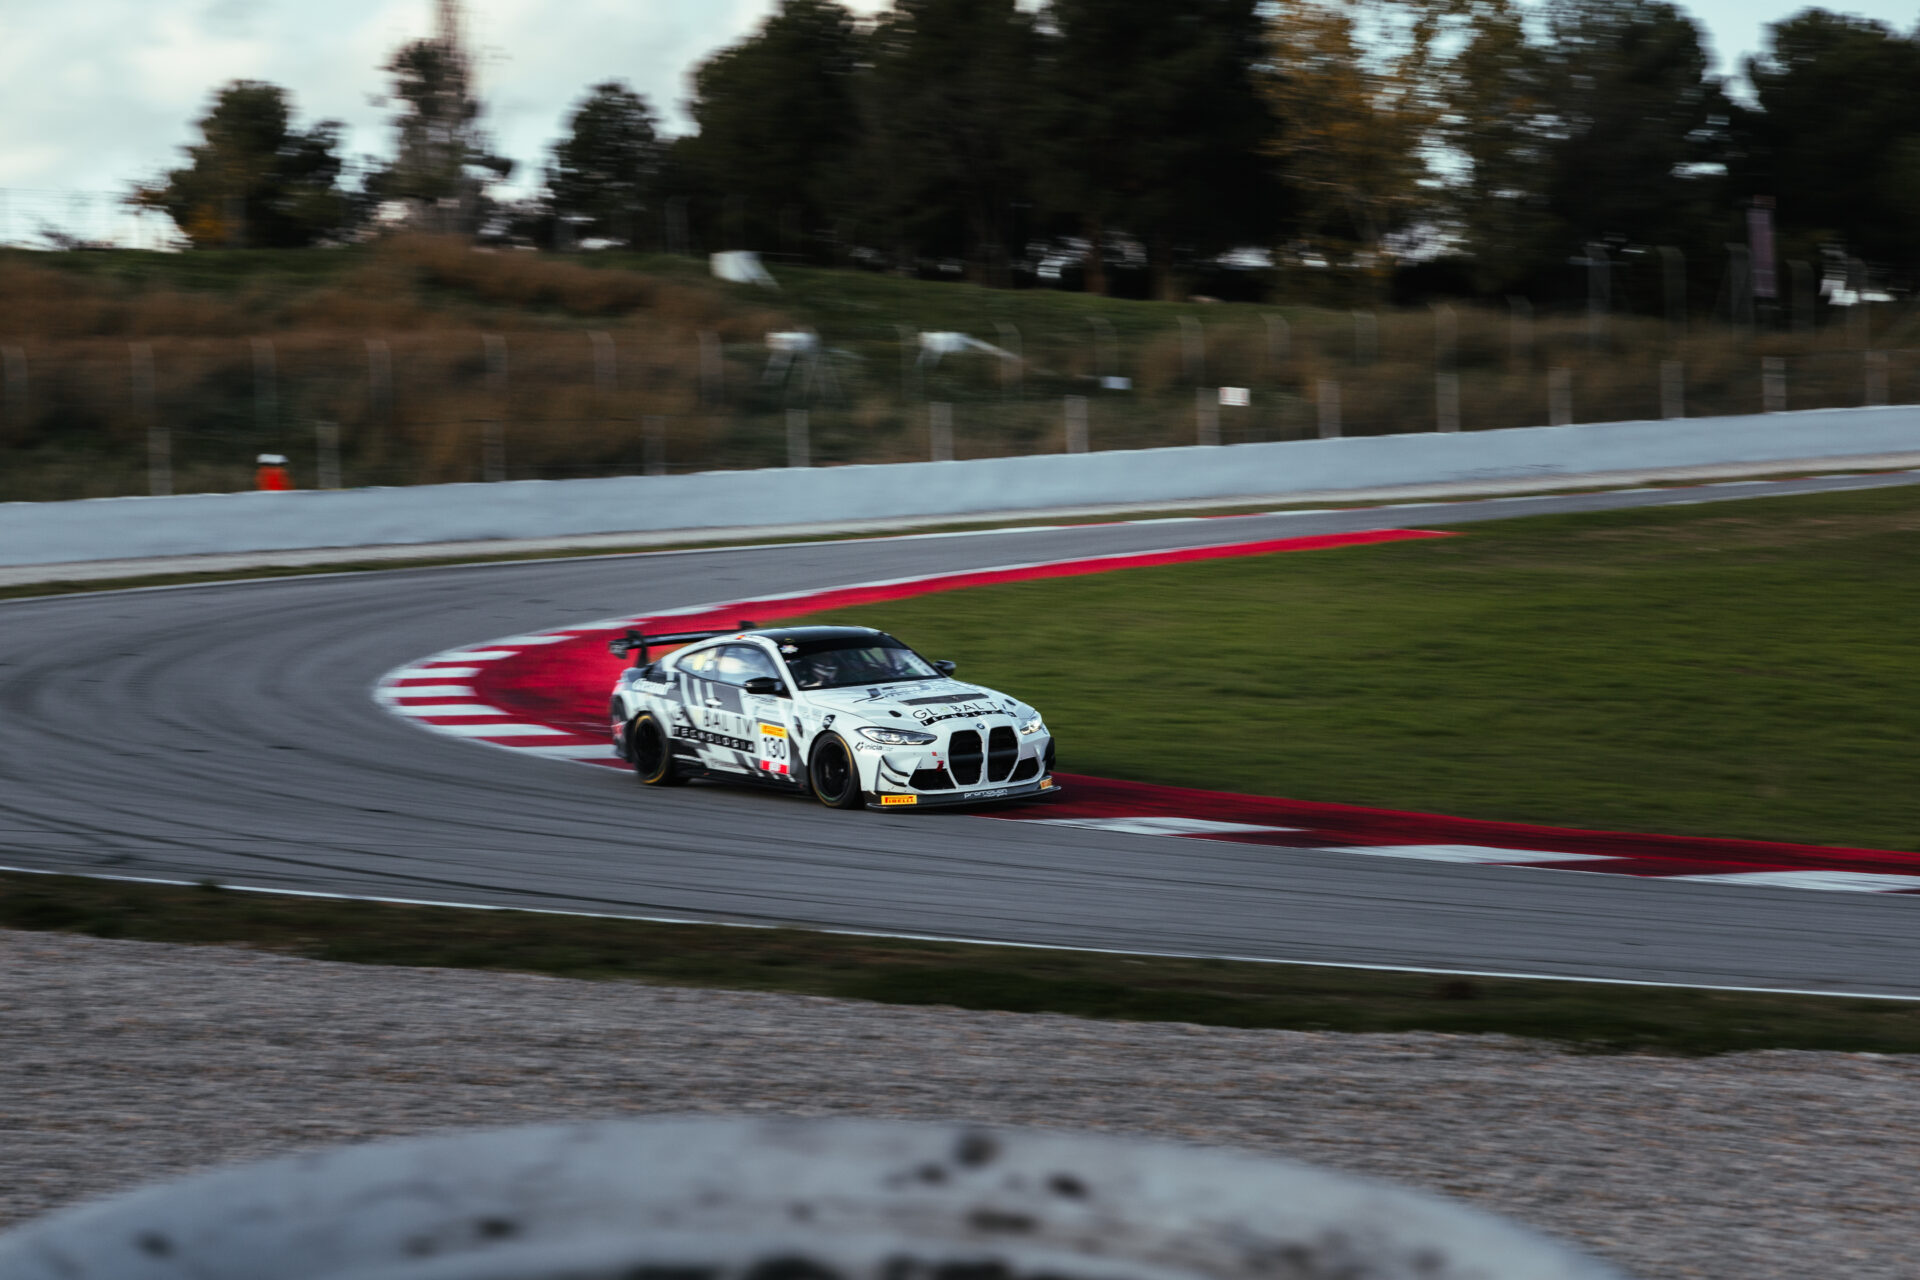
x: 704, y: 717
x: 769, y: 717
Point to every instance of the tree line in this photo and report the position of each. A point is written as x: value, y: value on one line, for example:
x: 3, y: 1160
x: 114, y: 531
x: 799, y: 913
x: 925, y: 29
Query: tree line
x: 1477, y: 147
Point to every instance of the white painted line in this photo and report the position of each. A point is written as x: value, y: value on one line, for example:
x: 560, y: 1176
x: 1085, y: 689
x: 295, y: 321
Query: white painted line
x: 433, y: 673
x: 448, y: 709
x: 1841, y: 881
x: 1156, y: 826
x: 476, y: 655
x: 497, y: 730
x: 580, y: 751
x: 522, y: 641
x: 393, y: 695
x: 1469, y: 853
x: 985, y: 942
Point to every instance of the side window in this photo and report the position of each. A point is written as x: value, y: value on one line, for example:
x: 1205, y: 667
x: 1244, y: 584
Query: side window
x: 698, y: 663
x: 739, y: 663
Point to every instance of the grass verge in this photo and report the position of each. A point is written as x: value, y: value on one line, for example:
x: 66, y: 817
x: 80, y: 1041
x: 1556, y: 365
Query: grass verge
x: 1600, y: 1018
x: 1741, y: 670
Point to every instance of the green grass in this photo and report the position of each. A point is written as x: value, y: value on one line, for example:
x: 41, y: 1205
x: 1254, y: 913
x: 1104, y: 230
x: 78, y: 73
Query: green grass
x: 1730, y: 670
x: 1212, y: 992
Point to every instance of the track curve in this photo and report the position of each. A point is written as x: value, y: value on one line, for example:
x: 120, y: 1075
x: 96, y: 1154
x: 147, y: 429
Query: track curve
x: 228, y: 732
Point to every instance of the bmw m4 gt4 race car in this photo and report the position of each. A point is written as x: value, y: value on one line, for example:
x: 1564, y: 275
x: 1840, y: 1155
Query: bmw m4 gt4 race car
x: 848, y: 713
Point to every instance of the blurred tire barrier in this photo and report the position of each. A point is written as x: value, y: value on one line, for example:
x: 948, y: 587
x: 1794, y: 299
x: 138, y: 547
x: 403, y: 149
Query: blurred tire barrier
x: 747, y: 1199
x: 217, y: 523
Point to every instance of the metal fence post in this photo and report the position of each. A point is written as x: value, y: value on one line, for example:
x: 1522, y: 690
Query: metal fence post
x: 605, y: 372
x: 940, y: 430
x: 493, y: 449
x: 1193, y: 350
x: 379, y: 382
x: 1279, y: 342
x: 797, y: 450
x: 159, y: 443
x: 1446, y: 401
x: 326, y: 447
x: 1076, y: 411
x: 653, y: 429
x: 1366, y: 338
x: 1876, y: 377
x: 266, y: 404
x: 1673, y: 389
x: 1519, y: 331
x: 1012, y: 372
x: 1560, y: 396
x: 1673, y: 280
x: 1327, y: 392
x: 713, y: 371
x: 1206, y: 415
x: 1773, y: 384
x: 13, y: 366
x: 1446, y: 383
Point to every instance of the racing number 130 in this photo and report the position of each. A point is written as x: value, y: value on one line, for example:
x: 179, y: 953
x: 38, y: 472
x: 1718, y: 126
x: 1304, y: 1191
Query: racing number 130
x: 773, y: 749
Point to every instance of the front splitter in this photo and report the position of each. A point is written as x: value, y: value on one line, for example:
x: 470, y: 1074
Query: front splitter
x: 899, y: 803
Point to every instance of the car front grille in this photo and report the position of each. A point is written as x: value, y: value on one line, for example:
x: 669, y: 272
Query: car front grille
x: 1025, y: 769
x: 964, y: 757
x: 930, y: 780
x: 1003, y: 749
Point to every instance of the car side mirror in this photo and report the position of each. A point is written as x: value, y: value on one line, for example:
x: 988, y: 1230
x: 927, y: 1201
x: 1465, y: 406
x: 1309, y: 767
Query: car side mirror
x: 944, y: 666
x: 767, y: 686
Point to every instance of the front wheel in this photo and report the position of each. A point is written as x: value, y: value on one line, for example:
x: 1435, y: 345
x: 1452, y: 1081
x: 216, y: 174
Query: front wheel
x: 651, y: 753
x: 831, y: 774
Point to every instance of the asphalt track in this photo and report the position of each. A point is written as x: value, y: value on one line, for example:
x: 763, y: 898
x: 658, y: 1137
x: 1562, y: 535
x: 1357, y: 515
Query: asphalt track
x: 227, y: 732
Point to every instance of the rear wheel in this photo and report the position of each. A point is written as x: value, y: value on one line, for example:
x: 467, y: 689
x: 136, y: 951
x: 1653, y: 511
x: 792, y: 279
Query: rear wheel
x: 651, y: 753
x: 831, y: 774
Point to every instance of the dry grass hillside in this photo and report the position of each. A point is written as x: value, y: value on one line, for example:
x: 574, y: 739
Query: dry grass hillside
x: 421, y: 351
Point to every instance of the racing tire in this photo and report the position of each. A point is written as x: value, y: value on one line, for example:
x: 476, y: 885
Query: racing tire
x: 652, y: 753
x: 831, y: 774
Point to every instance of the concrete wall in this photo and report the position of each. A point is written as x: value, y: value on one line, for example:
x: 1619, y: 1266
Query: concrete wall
x: 194, y: 524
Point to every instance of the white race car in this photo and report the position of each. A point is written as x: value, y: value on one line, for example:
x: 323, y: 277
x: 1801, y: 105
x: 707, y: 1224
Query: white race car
x: 849, y: 713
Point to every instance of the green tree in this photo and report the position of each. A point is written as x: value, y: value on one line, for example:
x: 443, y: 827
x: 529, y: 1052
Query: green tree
x: 1837, y: 139
x: 1496, y: 96
x: 1608, y: 129
x: 1152, y: 124
x: 254, y: 181
x: 945, y: 113
x: 603, y: 173
x: 777, y: 124
x: 443, y: 163
x: 1355, y: 85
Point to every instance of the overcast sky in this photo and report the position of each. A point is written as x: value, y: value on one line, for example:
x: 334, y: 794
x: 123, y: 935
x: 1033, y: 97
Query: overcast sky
x: 95, y: 93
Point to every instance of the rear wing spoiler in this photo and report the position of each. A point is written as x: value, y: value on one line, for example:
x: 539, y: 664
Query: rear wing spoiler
x: 635, y: 641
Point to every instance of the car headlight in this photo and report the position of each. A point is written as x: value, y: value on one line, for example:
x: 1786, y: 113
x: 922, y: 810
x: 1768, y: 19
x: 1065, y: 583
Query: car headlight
x: 1030, y: 727
x: 898, y: 737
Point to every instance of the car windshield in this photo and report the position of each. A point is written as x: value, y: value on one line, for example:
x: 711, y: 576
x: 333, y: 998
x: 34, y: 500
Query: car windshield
x: 855, y: 661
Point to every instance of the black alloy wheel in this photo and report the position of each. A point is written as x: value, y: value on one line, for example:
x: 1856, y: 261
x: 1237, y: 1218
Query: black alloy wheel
x: 831, y: 774
x: 650, y: 752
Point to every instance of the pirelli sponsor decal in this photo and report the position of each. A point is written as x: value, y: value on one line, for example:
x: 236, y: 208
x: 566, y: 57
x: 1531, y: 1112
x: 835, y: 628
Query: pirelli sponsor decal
x: 892, y: 800
x: 774, y: 754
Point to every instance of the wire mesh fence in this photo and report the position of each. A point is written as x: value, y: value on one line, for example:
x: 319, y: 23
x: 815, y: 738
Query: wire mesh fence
x: 95, y: 416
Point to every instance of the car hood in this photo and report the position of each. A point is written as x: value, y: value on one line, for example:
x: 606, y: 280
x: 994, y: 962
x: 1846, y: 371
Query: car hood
x: 918, y: 703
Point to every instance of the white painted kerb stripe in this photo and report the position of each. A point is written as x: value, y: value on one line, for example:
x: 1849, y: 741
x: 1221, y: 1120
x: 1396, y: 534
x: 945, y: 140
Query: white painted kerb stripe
x: 497, y: 730
x: 1842, y: 881
x: 448, y: 709
x: 1156, y: 826
x: 1471, y: 853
